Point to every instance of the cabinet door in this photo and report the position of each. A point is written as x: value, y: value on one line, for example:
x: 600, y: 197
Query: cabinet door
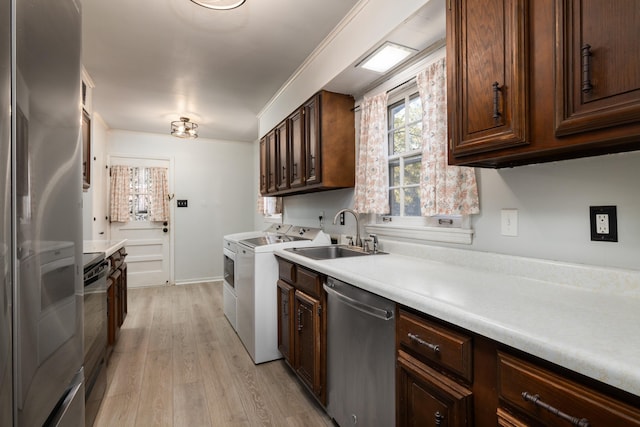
x: 285, y: 320
x: 307, y: 341
x: 428, y: 398
x: 282, y: 150
x: 264, y: 165
x: 598, y: 65
x: 313, y: 169
x: 272, y: 162
x: 487, y: 75
x: 296, y: 149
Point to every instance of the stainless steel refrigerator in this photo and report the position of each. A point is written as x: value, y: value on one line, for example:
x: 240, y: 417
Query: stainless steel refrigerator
x: 41, y: 220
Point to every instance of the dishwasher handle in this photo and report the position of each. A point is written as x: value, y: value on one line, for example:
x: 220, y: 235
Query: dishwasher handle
x: 380, y: 313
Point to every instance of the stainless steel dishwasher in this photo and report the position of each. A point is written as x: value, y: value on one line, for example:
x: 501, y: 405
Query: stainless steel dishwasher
x: 360, y: 356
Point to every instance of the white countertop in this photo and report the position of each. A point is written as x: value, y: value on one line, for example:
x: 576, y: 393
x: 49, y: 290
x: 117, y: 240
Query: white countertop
x: 583, y: 328
x: 106, y: 246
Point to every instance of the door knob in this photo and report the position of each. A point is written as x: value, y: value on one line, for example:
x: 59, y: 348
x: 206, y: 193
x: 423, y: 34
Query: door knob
x: 165, y: 229
x: 165, y: 223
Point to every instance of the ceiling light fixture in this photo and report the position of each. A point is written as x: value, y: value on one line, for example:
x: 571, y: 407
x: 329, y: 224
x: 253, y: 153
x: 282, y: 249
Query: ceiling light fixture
x: 219, y: 4
x: 386, y: 57
x: 183, y: 128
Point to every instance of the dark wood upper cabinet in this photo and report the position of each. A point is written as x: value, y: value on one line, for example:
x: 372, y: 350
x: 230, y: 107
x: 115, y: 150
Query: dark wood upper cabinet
x: 487, y: 75
x: 272, y: 162
x: 296, y: 149
x: 556, y: 99
x: 319, y: 153
x: 264, y: 164
x: 282, y: 150
x: 598, y: 64
x: 311, y: 111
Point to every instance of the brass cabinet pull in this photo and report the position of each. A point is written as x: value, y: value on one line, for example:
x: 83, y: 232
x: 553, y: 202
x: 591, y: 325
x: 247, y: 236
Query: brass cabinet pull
x: 535, y: 399
x: 496, y: 100
x: 433, y: 347
x: 299, y: 319
x: 586, y: 68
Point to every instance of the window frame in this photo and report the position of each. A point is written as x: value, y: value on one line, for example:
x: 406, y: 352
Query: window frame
x: 404, y: 97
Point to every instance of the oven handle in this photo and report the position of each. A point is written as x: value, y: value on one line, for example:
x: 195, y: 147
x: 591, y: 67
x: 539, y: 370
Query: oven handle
x: 228, y: 253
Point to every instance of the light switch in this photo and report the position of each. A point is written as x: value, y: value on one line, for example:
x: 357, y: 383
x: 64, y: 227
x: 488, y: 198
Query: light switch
x: 182, y: 203
x: 509, y: 225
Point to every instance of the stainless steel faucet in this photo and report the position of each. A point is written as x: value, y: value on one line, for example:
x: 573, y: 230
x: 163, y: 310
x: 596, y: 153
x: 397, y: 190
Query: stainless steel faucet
x: 355, y: 215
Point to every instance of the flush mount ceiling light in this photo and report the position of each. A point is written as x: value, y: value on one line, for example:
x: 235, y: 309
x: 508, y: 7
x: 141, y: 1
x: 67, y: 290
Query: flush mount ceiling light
x: 386, y: 57
x: 183, y: 128
x: 219, y: 4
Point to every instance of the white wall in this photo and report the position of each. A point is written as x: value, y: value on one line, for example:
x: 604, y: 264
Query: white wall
x: 217, y: 178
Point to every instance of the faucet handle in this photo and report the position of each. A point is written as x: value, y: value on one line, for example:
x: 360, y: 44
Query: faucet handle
x: 365, y: 246
x: 374, y: 237
x: 350, y: 240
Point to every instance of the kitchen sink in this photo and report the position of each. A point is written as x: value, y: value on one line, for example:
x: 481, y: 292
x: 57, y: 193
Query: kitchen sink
x: 332, y: 252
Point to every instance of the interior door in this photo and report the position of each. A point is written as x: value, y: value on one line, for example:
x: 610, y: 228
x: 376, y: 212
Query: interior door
x: 149, y: 254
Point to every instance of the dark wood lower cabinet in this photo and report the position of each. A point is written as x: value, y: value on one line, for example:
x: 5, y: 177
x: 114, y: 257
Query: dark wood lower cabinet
x: 302, y: 326
x: 447, y: 376
x: 307, y: 340
x: 116, y: 297
x: 425, y: 397
x: 285, y: 329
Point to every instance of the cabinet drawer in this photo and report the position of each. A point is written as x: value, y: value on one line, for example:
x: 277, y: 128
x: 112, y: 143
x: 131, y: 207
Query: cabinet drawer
x: 449, y: 349
x: 554, y: 400
x: 308, y: 281
x: 286, y: 271
x: 426, y: 397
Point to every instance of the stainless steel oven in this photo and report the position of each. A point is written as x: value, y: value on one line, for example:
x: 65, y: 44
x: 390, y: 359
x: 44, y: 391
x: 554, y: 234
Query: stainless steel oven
x: 96, y: 269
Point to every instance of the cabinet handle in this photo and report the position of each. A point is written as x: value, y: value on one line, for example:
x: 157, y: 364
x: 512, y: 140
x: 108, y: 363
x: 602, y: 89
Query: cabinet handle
x: 433, y: 347
x: 313, y: 163
x: 496, y: 96
x: 299, y: 319
x: 535, y: 399
x: 295, y: 170
x: 439, y: 418
x: 586, y: 68
x: 285, y: 309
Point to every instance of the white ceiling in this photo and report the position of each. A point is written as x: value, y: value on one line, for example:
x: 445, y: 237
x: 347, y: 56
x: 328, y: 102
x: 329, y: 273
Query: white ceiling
x: 153, y: 61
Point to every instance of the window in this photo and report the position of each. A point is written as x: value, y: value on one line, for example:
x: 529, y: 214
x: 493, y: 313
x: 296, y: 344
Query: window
x: 139, y: 193
x: 405, y: 152
x: 404, y: 136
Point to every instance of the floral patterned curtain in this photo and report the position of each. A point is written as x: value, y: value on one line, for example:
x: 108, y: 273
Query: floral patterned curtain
x: 444, y: 189
x: 120, y: 192
x: 159, y: 195
x: 372, y: 173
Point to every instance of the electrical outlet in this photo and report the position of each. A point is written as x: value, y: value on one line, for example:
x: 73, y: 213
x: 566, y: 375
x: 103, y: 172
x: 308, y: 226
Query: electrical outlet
x: 604, y: 223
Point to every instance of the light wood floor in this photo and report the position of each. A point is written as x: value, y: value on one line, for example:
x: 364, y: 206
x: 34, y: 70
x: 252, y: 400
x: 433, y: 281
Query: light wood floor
x: 178, y: 362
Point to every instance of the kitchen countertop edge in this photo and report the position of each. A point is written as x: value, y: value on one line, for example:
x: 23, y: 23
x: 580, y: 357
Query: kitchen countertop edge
x: 109, y: 247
